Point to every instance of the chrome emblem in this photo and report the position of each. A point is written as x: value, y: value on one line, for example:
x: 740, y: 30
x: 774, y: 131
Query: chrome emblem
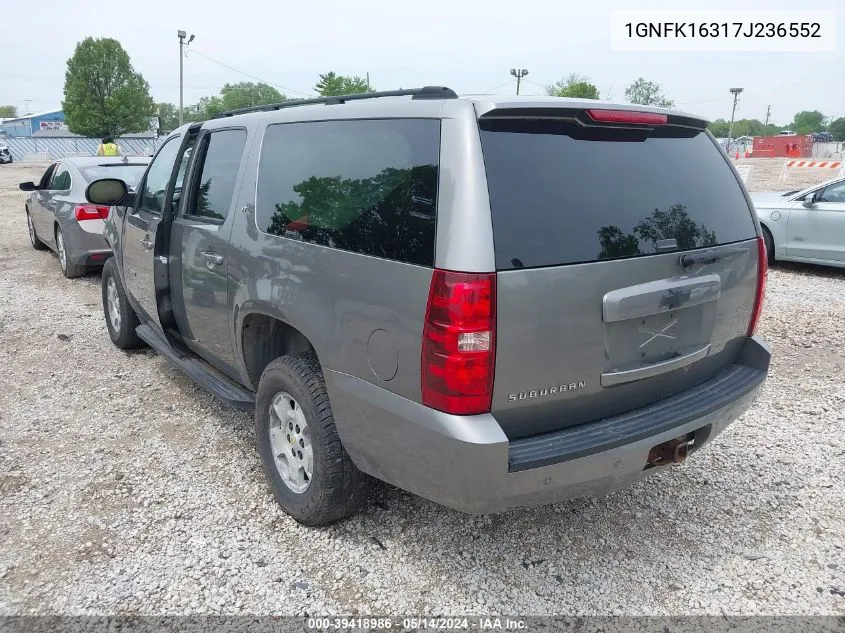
x: 547, y: 391
x: 662, y: 333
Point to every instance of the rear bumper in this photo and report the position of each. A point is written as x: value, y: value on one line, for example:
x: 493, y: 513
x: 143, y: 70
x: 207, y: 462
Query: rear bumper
x: 467, y: 462
x: 82, y: 245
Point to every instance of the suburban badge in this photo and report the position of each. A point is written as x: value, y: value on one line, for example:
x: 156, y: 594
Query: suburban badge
x: 546, y: 391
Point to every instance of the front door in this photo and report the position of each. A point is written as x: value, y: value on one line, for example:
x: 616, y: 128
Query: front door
x: 158, y: 194
x: 200, y: 240
x: 38, y: 206
x: 817, y: 232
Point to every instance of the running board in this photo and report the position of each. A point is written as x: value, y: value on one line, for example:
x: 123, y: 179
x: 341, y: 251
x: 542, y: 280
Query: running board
x: 198, y: 370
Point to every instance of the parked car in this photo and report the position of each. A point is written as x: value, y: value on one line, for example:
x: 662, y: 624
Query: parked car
x: 59, y: 217
x: 5, y: 154
x: 804, y: 226
x: 489, y: 302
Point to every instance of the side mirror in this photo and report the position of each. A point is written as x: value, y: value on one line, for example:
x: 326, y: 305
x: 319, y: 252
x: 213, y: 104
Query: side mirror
x: 108, y: 192
x: 28, y: 186
x: 812, y: 199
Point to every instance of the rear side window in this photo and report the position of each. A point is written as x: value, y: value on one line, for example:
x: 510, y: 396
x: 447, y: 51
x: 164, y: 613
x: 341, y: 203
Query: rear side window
x: 61, y: 179
x: 366, y: 186
x: 561, y: 193
x: 220, y: 154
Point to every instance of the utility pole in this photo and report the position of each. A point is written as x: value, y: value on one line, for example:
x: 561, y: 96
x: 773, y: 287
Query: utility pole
x: 735, y: 92
x: 519, y: 73
x: 182, y: 36
x: 768, y: 112
x: 27, y: 102
x: 368, y: 82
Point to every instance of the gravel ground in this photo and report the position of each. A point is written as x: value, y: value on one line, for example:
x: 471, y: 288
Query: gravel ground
x: 126, y: 489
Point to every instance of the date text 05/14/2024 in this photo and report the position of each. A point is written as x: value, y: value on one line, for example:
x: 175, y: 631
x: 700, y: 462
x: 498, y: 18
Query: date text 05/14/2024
x: 418, y: 623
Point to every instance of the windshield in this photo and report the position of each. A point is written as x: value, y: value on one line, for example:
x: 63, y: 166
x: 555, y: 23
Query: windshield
x: 563, y: 194
x: 129, y: 173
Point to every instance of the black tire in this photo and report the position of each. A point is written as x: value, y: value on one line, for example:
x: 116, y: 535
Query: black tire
x: 69, y: 269
x: 336, y: 489
x: 33, y: 236
x: 124, y: 335
x: 770, y: 245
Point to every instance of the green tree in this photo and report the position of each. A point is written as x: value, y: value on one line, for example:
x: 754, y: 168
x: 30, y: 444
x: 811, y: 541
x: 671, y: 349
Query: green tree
x: 719, y: 128
x: 208, y: 107
x: 573, y: 86
x: 837, y: 128
x: 168, y: 115
x: 104, y: 95
x: 332, y: 85
x: 807, y: 122
x: 645, y: 92
x: 8, y: 112
x: 245, y: 95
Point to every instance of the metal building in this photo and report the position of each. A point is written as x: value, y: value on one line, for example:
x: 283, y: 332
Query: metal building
x: 29, y: 124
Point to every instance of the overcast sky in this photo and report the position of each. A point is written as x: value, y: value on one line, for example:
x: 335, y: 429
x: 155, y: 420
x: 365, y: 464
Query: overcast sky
x: 468, y: 46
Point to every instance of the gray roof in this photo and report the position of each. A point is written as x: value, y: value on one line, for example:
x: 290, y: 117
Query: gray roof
x: 402, y: 106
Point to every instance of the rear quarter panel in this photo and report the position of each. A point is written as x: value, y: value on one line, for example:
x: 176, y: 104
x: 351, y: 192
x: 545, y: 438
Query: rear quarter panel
x: 363, y: 315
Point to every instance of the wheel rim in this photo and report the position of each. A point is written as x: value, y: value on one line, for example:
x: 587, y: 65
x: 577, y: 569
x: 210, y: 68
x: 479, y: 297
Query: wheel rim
x: 113, y: 304
x: 290, y: 440
x: 60, y: 246
x: 31, y: 229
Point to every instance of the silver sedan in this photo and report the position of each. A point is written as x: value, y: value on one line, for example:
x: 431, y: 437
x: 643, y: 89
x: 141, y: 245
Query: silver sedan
x: 59, y: 218
x: 804, y: 226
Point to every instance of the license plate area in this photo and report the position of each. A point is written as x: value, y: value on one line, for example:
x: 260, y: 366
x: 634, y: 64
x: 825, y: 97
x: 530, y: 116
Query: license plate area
x: 652, y: 323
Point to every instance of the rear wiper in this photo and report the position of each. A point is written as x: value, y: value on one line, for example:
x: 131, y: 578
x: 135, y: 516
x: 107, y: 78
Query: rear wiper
x: 703, y: 258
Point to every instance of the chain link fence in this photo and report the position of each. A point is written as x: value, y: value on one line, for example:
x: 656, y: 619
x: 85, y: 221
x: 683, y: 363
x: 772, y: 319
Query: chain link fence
x: 55, y: 147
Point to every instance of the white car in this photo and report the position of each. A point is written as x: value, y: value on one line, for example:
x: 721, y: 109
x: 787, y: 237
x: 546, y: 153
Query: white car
x: 804, y: 226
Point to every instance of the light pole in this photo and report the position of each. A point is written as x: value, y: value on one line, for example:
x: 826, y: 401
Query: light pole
x: 182, y: 36
x: 735, y: 92
x: 519, y: 73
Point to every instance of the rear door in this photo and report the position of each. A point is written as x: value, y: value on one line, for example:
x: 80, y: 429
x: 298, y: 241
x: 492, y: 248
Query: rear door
x: 200, y: 236
x: 158, y: 195
x: 597, y: 312
x: 818, y: 232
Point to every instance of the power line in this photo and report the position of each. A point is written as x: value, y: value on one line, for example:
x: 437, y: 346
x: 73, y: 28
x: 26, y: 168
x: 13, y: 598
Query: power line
x: 245, y: 74
x: 704, y: 101
x: 507, y: 83
x: 536, y: 83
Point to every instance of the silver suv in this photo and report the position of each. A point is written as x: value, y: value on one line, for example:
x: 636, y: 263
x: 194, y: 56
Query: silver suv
x: 487, y: 301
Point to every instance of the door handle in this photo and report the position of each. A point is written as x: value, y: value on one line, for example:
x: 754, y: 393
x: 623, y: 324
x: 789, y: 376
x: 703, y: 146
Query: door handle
x: 146, y: 243
x: 211, y: 258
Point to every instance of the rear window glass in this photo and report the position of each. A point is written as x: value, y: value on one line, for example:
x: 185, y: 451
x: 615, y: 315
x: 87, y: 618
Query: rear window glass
x: 563, y: 194
x: 130, y: 174
x: 366, y: 186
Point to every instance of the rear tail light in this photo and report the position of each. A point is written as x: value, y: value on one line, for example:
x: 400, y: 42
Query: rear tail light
x: 624, y: 116
x: 760, y: 295
x: 459, y: 342
x: 91, y: 212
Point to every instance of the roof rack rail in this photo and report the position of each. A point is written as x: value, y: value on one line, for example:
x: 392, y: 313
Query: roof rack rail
x: 426, y: 92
